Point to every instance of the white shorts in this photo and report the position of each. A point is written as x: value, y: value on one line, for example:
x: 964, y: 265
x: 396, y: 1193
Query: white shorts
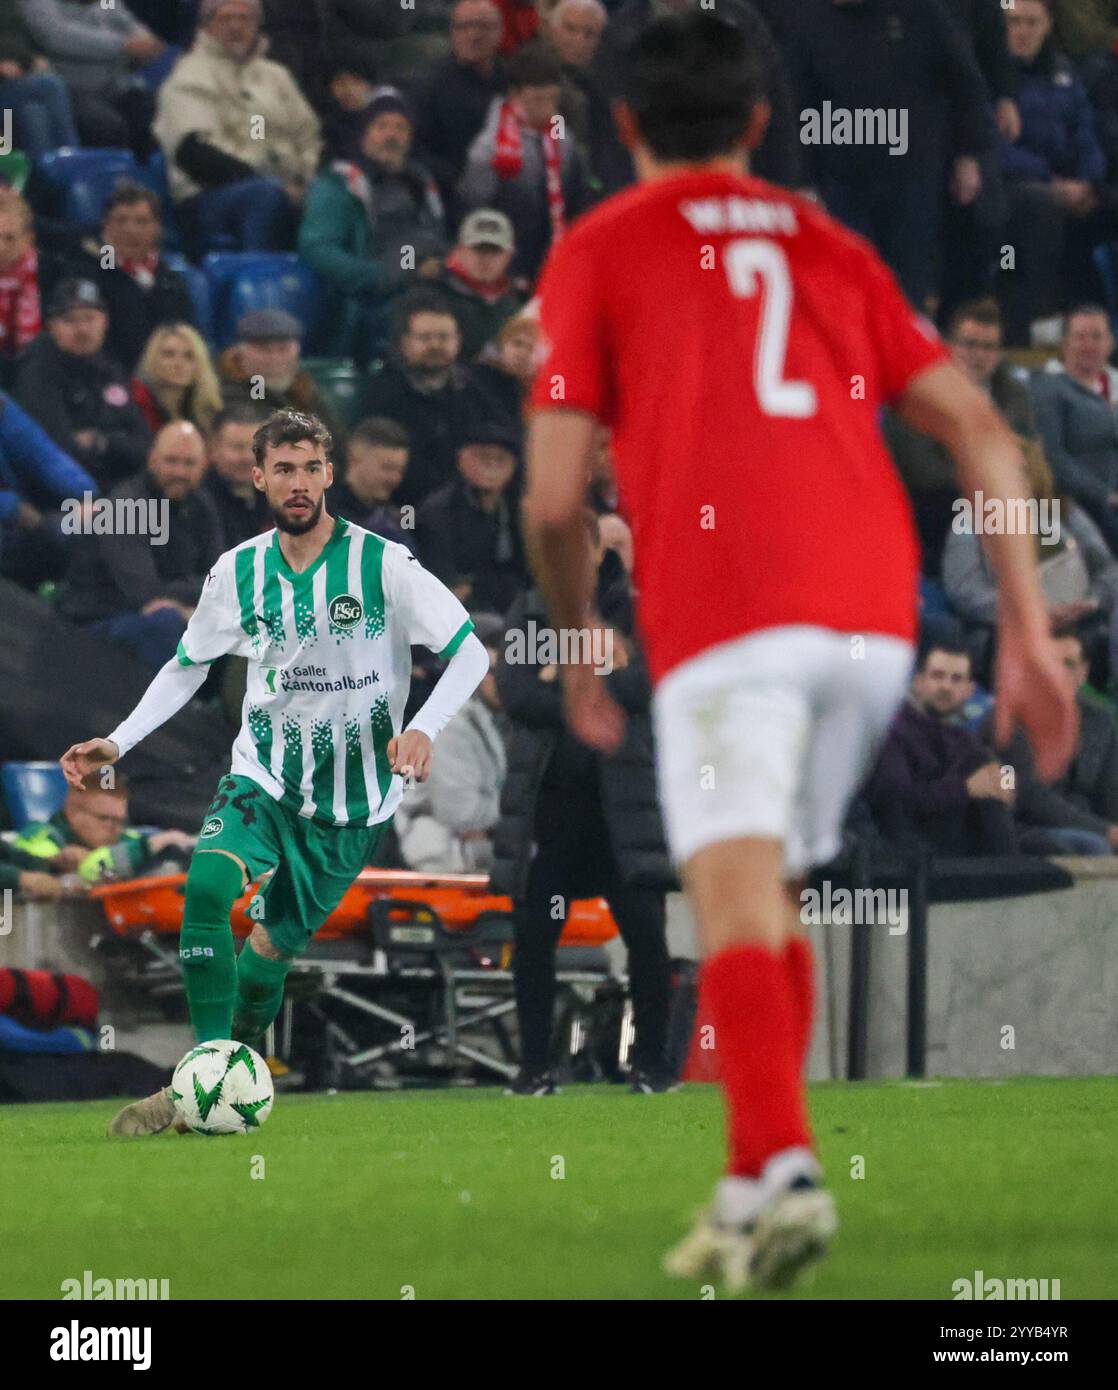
x: 771, y: 735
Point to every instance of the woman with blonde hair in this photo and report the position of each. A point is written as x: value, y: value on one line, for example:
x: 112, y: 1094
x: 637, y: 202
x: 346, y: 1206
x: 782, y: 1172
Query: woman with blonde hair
x: 176, y: 379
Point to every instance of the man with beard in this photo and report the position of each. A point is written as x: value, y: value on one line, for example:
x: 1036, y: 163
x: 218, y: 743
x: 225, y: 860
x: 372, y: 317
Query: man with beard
x: 326, y: 615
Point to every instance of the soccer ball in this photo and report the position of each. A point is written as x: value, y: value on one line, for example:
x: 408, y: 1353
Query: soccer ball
x: 222, y: 1087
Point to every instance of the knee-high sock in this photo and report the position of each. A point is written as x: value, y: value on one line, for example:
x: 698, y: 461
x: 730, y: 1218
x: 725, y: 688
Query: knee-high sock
x: 259, y: 993
x: 756, y: 1036
x: 209, y: 965
x: 800, y: 965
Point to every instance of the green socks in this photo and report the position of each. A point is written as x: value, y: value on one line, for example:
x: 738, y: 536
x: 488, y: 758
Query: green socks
x: 209, y: 965
x: 259, y: 994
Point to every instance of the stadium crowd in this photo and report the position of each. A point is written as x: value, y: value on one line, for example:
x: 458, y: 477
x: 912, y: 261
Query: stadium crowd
x: 419, y: 162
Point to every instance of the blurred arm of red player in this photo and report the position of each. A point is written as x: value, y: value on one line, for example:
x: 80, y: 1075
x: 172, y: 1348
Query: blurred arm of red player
x: 561, y: 447
x: 1029, y: 687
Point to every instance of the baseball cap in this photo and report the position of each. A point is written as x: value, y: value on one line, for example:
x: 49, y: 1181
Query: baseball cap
x: 487, y: 227
x: 266, y: 325
x: 75, y: 294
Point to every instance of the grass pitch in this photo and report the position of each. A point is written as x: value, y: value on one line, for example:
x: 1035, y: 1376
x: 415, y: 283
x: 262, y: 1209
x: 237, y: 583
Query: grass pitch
x: 477, y: 1195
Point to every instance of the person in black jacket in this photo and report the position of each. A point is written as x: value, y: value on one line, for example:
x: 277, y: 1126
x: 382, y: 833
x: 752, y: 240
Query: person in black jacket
x: 141, y: 291
x: 136, y: 576
x: 242, y: 510
x: 593, y: 822
x: 77, y: 392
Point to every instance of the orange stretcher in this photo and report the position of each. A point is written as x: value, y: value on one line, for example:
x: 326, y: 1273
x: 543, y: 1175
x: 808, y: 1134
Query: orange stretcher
x: 155, y: 904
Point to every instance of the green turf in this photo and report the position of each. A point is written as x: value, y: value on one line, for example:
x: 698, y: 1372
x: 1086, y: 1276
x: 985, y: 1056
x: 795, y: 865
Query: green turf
x: 453, y: 1193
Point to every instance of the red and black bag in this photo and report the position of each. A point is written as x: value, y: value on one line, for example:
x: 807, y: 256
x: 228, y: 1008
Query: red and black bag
x: 42, y: 999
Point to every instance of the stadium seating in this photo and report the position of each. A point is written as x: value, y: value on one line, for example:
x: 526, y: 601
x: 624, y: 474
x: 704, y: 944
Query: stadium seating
x: 199, y: 287
x: 340, y: 382
x: 32, y: 791
x: 241, y: 281
x: 83, y: 179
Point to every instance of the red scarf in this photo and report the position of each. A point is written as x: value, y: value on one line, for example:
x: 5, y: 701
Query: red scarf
x: 20, y: 312
x: 508, y: 160
x: 490, y: 291
x: 142, y: 270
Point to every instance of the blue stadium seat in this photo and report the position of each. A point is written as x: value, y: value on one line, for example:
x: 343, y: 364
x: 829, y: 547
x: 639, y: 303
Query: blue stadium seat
x: 83, y: 179
x: 241, y: 281
x: 199, y: 292
x: 32, y: 791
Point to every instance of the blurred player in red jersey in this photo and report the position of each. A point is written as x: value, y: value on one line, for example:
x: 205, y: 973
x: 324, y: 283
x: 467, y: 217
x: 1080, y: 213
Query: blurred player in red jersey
x: 740, y: 344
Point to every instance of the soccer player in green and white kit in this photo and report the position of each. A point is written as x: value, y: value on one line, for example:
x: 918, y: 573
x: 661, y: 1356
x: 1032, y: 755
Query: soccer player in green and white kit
x: 326, y: 614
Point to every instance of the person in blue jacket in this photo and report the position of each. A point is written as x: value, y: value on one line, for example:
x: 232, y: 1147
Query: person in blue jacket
x: 36, y: 477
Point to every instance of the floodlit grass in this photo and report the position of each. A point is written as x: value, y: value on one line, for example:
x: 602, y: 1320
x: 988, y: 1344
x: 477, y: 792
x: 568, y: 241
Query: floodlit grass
x: 459, y: 1194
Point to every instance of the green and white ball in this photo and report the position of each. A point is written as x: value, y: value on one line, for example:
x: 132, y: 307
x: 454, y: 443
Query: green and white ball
x: 222, y: 1087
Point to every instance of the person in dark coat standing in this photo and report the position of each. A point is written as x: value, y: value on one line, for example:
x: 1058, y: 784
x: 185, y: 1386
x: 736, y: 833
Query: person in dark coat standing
x: 593, y: 822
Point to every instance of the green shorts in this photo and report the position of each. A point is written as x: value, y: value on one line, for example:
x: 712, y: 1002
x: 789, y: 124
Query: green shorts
x: 314, y: 864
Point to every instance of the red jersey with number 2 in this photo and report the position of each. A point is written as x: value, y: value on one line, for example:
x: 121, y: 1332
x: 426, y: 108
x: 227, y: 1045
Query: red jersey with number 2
x: 740, y: 344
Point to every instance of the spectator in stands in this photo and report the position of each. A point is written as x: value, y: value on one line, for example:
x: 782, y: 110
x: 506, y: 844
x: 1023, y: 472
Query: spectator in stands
x: 1078, y: 573
x: 80, y: 395
x: 908, y: 58
x: 505, y: 373
x: 779, y: 156
x: 42, y: 117
x: 99, y: 49
x: 296, y: 38
x: 445, y: 825
x: 372, y: 227
x: 617, y: 537
x: 35, y: 879
x: 90, y: 836
x: 241, y: 141
x: 521, y: 20
x: 1078, y: 813
x: 1051, y: 171
x: 576, y: 823
x: 376, y: 461
x: 351, y: 92
x: 382, y: 34
x: 454, y: 99
x: 423, y: 386
x: 936, y: 783
x: 1077, y: 412
x: 21, y: 314
x: 264, y: 365
x: 574, y: 29
x: 241, y: 510
x: 176, y: 379
x: 128, y: 266
x: 469, y: 530
x: 520, y: 164
x: 974, y: 337
x: 36, y: 478
x: 476, y: 281
x: 1085, y: 26
x: 139, y: 585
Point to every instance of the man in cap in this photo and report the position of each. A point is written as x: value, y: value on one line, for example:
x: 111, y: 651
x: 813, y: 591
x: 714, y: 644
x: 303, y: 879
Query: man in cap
x: 241, y: 141
x: 373, y: 226
x: 264, y: 365
x: 79, y: 394
x: 476, y: 279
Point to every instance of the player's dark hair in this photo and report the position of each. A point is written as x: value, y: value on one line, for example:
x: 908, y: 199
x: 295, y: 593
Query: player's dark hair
x: 239, y: 413
x: 380, y: 432
x: 691, y: 82
x: 290, y: 427
x: 127, y: 193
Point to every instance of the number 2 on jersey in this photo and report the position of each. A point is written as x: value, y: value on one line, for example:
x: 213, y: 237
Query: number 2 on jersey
x: 754, y: 265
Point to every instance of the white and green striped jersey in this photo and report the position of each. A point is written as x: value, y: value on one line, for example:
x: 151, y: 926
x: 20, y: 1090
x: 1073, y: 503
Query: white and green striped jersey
x: 329, y: 664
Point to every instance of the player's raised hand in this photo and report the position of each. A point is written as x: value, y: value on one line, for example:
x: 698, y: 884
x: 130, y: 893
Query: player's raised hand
x: 83, y: 758
x: 1033, y: 691
x: 593, y: 715
x: 409, y: 755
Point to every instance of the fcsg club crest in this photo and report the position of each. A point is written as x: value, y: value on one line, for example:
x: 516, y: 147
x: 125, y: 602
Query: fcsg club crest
x: 345, y: 612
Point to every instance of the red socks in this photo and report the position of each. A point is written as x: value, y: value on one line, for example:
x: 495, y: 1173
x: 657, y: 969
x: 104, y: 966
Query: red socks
x: 761, y: 1022
x: 800, y: 967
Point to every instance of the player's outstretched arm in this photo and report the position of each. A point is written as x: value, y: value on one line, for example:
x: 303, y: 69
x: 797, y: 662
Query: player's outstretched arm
x: 1030, y: 687
x: 172, y: 687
